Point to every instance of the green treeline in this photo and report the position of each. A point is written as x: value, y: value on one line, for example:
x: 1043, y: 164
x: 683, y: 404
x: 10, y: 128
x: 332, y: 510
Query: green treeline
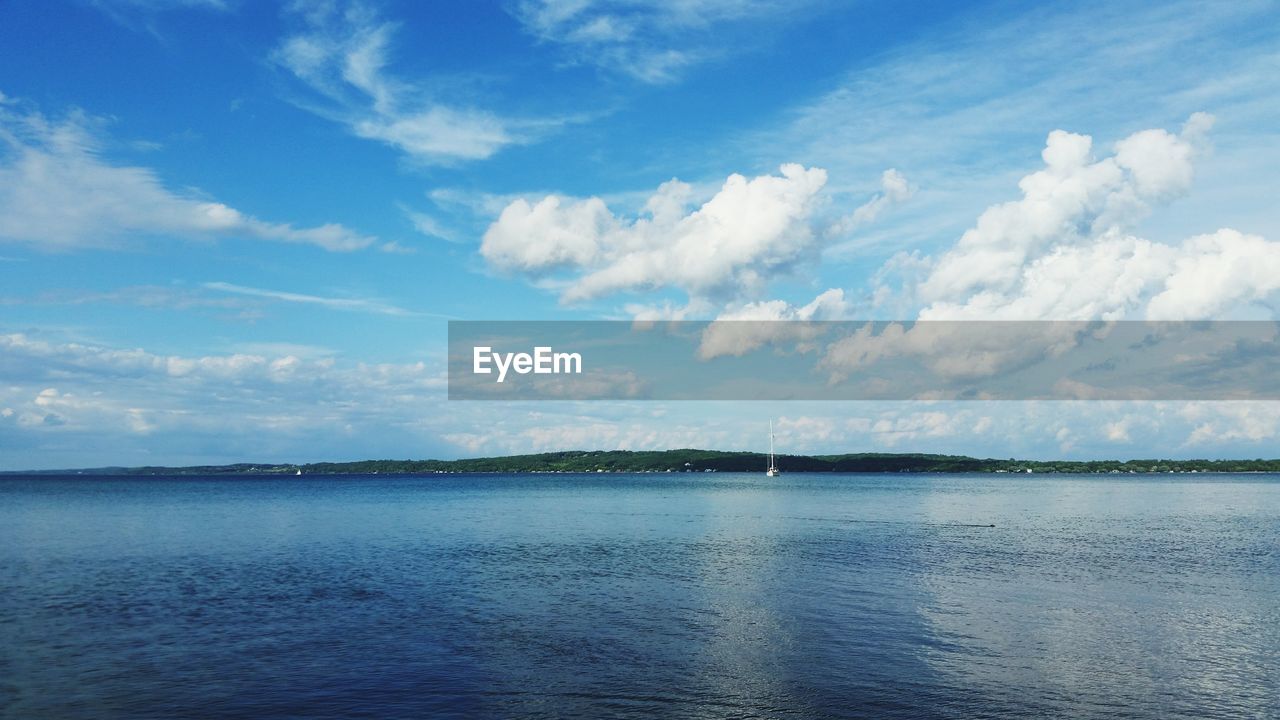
x: 710, y: 460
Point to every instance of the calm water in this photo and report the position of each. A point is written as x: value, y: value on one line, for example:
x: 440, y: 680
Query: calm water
x: 712, y: 595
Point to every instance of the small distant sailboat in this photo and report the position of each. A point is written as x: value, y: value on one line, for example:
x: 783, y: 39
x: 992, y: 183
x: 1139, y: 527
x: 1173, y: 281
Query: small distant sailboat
x: 298, y: 473
x: 772, y: 470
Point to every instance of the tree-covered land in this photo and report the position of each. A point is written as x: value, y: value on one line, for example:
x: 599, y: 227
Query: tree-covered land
x: 706, y: 461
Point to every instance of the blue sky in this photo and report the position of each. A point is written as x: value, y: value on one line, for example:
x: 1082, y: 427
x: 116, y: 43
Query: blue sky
x: 235, y: 230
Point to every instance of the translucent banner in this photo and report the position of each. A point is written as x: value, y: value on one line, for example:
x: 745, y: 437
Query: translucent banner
x: 862, y: 360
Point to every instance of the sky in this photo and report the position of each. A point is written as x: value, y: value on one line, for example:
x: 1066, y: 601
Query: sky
x: 236, y: 231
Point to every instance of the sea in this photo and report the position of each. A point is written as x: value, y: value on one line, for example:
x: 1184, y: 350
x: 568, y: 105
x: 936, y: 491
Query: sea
x: 708, y: 595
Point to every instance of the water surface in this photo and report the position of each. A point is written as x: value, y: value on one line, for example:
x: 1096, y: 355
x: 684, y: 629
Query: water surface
x: 708, y: 595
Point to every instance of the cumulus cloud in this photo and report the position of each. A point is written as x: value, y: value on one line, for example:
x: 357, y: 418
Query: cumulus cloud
x: 340, y: 53
x: 725, y: 248
x: 929, y: 424
x: 1236, y: 422
x: 1067, y: 248
x: 75, y: 358
x: 949, y: 350
x: 57, y: 191
x: 740, y: 330
x: 828, y: 305
x: 1065, y: 251
x: 1118, y: 431
x: 1216, y: 272
x: 645, y: 315
x: 1021, y: 429
x: 894, y: 189
x: 102, y: 405
x: 570, y: 431
x: 99, y: 392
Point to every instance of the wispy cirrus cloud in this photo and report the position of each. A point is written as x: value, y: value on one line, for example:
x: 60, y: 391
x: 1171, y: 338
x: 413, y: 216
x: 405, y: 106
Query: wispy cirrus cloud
x: 334, y: 303
x: 160, y: 5
x: 340, y: 52
x: 58, y: 191
x: 653, y: 41
x: 429, y: 225
x: 145, y: 296
x: 142, y: 14
x: 957, y: 108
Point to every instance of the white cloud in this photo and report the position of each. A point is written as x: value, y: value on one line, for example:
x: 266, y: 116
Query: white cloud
x: 1216, y: 272
x: 666, y: 311
x: 341, y: 54
x: 81, y: 388
x: 1066, y: 249
x: 828, y: 305
x: 141, y: 14
x: 949, y: 350
x: 156, y: 5
x: 957, y: 107
x: 585, y: 433
x: 653, y: 41
x: 72, y: 404
x: 553, y: 234
x: 892, y: 430
x: 1118, y: 431
x: 429, y: 225
x: 352, y: 304
x: 1020, y: 429
x: 726, y: 248
x: 1231, y: 422
x: 894, y: 189
x: 744, y: 328
x: 145, y: 296
x: 57, y: 191
x: 438, y: 133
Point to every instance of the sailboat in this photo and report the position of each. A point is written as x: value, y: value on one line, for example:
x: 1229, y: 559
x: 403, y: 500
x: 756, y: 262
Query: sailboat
x: 772, y: 470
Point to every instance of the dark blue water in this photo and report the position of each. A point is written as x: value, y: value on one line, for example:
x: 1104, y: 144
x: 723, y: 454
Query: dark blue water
x: 711, y: 595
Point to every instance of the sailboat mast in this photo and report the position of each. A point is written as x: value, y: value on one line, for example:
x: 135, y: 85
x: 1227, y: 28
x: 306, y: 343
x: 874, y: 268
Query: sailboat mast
x: 772, y: 470
x: 770, y: 443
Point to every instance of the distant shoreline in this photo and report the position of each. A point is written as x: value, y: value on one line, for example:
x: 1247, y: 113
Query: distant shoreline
x: 682, y: 461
